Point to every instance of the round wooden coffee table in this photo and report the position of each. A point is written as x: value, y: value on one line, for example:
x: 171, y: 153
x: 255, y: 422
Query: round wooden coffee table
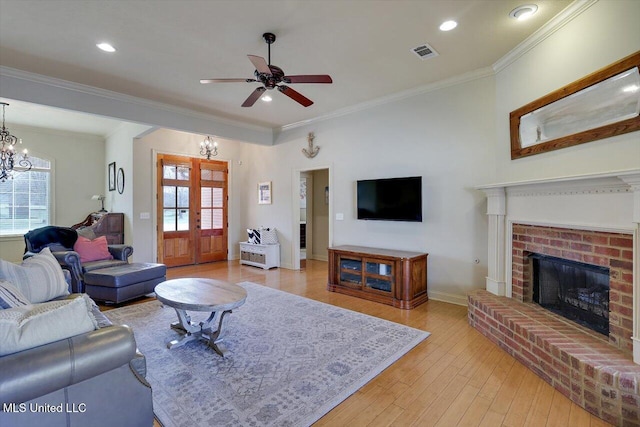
x: 196, y: 294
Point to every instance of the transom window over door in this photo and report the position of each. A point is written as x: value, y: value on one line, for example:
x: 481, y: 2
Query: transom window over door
x: 25, y: 199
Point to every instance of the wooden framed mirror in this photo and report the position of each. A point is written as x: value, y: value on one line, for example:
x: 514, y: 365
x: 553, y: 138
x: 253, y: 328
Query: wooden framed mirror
x: 603, y: 104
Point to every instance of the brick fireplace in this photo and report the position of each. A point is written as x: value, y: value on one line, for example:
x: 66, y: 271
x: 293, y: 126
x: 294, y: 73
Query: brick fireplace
x: 594, y: 220
x: 611, y: 250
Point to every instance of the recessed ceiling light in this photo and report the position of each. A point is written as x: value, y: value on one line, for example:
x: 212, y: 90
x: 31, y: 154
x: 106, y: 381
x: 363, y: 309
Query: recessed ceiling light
x: 266, y: 98
x: 523, y: 12
x: 106, y: 47
x: 448, y: 25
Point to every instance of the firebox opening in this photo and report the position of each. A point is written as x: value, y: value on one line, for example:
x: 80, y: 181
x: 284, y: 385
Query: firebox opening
x: 577, y: 291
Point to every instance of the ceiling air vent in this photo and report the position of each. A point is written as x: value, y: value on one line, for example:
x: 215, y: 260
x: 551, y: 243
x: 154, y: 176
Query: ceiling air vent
x: 424, y: 51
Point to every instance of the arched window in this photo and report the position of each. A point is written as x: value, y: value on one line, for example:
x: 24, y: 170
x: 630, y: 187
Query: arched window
x: 25, y: 199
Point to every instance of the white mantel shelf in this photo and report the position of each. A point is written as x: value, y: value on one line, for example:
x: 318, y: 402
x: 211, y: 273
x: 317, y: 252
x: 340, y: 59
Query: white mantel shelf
x: 566, y: 180
x: 602, y: 201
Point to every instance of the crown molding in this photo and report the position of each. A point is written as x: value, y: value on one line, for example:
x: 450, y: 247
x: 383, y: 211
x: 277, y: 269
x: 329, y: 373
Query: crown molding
x: 556, y: 23
x: 462, y: 78
x: 129, y: 99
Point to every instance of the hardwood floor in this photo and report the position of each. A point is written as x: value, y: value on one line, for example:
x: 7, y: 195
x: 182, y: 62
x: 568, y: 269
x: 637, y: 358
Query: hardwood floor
x: 456, y: 377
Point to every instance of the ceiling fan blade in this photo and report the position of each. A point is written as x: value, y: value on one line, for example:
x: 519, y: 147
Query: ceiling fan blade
x: 205, y: 81
x: 253, y: 97
x: 312, y: 78
x: 295, y: 95
x: 260, y: 64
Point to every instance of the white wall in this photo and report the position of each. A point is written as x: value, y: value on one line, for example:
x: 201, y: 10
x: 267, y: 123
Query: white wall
x: 604, y: 33
x: 145, y: 150
x: 79, y: 173
x: 446, y: 136
x: 119, y: 149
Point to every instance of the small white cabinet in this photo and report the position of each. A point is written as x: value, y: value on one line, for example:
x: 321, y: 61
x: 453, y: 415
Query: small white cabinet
x: 265, y: 256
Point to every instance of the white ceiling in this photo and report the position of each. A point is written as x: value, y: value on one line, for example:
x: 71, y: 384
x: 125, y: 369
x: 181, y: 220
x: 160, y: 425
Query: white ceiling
x: 165, y: 47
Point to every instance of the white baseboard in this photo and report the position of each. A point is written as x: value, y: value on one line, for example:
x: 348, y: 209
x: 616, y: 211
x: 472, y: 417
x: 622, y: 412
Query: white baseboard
x: 450, y: 298
x: 324, y: 257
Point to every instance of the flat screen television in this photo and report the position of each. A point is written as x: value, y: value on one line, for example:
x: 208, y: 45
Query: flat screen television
x: 390, y: 199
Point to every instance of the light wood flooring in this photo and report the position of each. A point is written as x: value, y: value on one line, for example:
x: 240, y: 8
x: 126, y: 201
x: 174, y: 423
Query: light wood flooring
x: 456, y: 377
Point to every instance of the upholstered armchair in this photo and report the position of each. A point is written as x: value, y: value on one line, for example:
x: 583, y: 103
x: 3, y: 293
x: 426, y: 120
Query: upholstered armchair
x: 61, y: 241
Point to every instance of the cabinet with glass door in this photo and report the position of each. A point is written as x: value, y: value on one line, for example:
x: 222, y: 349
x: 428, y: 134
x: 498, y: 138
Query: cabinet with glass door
x: 397, y: 278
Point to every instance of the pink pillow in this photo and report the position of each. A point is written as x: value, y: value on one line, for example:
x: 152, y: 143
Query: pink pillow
x: 92, y: 250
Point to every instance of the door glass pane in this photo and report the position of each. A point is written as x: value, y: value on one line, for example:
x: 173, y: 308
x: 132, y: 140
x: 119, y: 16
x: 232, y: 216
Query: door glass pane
x: 212, y: 175
x: 169, y: 172
x: 218, y: 201
x: 169, y: 197
x: 217, y: 218
x: 183, y: 197
x: 206, y: 219
x: 183, y: 173
x: 183, y: 219
x: 205, y: 197
x: 169, y: 220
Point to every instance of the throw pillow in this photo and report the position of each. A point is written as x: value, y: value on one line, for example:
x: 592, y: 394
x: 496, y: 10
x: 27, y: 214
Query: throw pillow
x: 86, y: 232
x: 10, y: 296
x: 268, y: 236
x: 253, y: 236
x: 92, y: 250
x: 30, y: 326
x: 39, y: 278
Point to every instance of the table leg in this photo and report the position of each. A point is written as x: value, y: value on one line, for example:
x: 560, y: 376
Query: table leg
x: 191, y: 332
x: 216, y: 336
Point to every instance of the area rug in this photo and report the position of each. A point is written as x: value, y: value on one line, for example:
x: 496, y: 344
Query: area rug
x: 289, y: 360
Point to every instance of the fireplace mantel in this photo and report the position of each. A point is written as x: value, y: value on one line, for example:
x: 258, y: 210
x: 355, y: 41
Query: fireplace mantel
x: 608, y: 202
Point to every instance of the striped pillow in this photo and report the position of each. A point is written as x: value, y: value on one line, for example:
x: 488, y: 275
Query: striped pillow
x: 39, y: 278
x: 10, y: 296
x: 253, y: 235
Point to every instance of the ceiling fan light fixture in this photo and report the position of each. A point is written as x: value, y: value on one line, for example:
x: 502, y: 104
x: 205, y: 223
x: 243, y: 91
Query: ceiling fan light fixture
x: 266, y: 98
x: 523, y: 12
x: 106, y: 47
x: 448, y: 25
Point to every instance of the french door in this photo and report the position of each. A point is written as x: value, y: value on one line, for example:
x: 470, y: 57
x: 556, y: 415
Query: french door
x: 192, y: 210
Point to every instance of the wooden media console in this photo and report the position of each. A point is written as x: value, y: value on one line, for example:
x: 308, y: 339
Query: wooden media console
x: 397, y: 278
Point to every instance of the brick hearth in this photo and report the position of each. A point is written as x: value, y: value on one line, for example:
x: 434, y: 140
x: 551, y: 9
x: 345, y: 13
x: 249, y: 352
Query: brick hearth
x: 576, y: 361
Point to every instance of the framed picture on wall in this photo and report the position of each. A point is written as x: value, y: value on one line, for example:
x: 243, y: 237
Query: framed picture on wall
x: 112, y: 176
x: 264, y: 193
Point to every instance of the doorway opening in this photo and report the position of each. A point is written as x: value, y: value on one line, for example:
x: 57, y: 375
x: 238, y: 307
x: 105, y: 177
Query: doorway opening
x: 312, y: 207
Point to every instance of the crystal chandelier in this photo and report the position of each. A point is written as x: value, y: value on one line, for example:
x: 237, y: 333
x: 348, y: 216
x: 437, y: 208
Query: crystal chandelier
x: 208, y: 148
x: 7, y: 152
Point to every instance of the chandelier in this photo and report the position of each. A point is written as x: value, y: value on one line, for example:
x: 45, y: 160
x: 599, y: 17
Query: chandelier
x: 208, y: 148
x: 7, y: 152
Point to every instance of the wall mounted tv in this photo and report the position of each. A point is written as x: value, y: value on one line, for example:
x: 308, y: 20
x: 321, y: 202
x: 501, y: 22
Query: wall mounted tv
x: 390, y: 199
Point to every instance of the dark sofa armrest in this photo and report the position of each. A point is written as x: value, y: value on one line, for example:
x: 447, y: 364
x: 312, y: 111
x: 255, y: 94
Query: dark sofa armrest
x: 121, y: 252
x: 41, y: 370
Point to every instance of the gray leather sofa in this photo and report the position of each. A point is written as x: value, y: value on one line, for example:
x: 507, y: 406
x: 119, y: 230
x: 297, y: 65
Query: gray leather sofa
x: 95, y: 379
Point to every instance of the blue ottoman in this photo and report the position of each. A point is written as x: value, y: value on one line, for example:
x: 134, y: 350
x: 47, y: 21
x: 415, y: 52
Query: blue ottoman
x: 123, y: 282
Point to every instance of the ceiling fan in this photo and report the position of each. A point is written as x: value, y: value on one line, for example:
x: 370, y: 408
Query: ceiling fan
x: 272, y: 77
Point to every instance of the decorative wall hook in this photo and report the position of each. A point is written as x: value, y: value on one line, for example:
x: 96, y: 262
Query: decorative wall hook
x: 311, y: 151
